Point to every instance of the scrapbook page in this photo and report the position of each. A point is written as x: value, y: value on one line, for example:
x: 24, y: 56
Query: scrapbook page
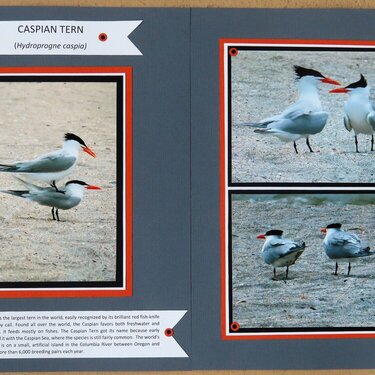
x: 186, y: 189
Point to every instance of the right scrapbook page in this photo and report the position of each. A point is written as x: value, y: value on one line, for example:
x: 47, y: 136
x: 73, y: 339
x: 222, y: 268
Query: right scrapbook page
x: 296, y: 170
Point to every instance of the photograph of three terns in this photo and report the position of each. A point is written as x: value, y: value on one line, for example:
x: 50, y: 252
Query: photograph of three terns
x: 279, y: 98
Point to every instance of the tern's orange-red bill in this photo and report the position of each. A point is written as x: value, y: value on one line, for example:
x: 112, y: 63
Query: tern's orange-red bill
x: 93, y: 187
x: 330, y: 81
x: 89, y: 151
x: 340, y: 90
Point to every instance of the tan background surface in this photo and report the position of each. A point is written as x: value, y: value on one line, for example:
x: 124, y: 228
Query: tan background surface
x: 201, y: 3
x: 208, y: 4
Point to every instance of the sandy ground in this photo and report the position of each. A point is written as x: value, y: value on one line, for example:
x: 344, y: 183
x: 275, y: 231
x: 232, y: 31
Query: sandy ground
x: 312, y: 296
x: 263, y: 85
x: 82, y: 247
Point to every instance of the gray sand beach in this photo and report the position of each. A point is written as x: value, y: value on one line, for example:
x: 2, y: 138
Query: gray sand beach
x: 312, y: 296
x: 263, y: 85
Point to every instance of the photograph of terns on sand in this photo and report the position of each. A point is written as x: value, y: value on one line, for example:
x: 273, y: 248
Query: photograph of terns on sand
x: 61, y: 179
x: 301, y: 114
x: 302, y: 260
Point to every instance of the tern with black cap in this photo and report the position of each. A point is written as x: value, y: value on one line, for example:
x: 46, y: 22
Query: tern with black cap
x: 303, y: 118
x: 54, y: 166
x: 280, y: 252
x: 342, y: 246
x: 359, y: 111
x: 65, y: 198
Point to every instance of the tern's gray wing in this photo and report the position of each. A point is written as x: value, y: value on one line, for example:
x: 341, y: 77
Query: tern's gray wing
x: 345, y: 245
x: 300, y: 107
x: 307, y: 123
x: 347, y: 124
x: 52, y: 198
x: 46, y: 164
x: 280, y: 248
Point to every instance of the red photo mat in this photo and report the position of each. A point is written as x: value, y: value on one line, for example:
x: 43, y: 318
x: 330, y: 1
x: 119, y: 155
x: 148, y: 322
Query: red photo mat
x: 231, y: 330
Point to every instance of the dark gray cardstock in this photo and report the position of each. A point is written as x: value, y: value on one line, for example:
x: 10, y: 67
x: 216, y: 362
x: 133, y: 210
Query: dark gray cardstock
x: 176, y: 182
x: 208, y: 27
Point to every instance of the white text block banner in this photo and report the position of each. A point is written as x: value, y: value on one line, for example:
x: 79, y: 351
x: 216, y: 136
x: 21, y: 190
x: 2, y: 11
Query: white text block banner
x: 89, y: 334
x: 68, y: 38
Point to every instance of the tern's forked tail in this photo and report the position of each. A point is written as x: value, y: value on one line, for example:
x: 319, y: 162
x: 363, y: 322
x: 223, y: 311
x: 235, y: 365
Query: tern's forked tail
x: 366, y: 252
x: 255, y: 124
x: 7, y: 168
x: 17, y: 193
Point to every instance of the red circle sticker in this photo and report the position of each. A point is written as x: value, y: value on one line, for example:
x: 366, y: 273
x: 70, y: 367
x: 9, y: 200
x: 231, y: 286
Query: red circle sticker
x: 233, y: 51
x: 169, y: 332
x: 235, y: 326
x: 103, y: 37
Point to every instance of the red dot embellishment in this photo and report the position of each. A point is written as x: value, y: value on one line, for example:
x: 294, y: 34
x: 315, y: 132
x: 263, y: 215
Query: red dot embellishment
x: 169, y: 332
x: 103, y: 37
x: 235, y: 326
x: 233, y: 52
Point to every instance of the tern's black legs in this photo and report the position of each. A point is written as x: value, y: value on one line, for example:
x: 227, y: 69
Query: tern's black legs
x: 308, y: 145
x: 57, y: 214
x: 336, y: 269
x: 295, y: 147
x: 356, y: 143
x: 286, y: 273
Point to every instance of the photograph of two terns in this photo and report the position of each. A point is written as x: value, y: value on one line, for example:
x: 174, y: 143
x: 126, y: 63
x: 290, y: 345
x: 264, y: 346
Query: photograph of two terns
x: 58, y: 181
x: 300, y: 188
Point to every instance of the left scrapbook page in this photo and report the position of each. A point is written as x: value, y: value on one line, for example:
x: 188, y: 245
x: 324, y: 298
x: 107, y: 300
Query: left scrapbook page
x: 94, y: 155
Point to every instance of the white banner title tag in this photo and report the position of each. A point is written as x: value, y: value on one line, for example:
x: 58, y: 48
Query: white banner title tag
x: 67, y: 38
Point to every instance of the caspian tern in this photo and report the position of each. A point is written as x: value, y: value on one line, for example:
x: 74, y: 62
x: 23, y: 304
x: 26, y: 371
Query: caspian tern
x: 53, y: 166
x: 342, y: 246
x: 67, y: 197
x: 280, y: 252
x: 303, y: 118
x: 359, y: 111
